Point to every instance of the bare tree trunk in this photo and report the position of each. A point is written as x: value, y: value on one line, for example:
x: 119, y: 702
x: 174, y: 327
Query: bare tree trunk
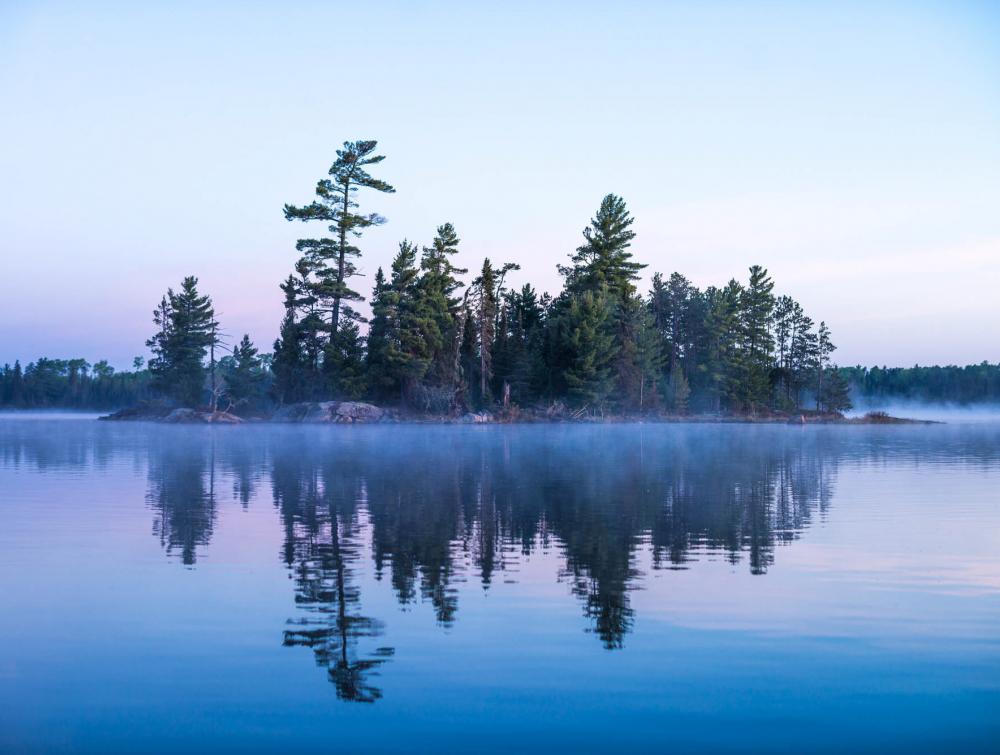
x: 211, y: 366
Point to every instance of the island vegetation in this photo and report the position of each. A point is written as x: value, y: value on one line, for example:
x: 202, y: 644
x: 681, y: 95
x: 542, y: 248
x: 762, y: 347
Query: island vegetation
x: 443, y: 341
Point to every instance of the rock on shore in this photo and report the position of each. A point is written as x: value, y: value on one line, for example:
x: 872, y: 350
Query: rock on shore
x: 319, y: 412
x: 194, y: 417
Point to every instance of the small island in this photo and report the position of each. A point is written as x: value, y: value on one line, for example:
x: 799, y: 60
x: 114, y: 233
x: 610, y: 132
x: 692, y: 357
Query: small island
x: 442, y: 344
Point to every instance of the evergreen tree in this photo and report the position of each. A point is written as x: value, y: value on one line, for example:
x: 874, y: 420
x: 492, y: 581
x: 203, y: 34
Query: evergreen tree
x: 678, y: 390
x: 603, y: 260
x: 438, y: 313
x: 379, y: 371
x: 186, y: 328
x: 803, y: 354
x: 485, y: 287
x: 835, y: 393
x: 344, y: 361
x: 639, y: 358
x: 332, y: 258
x: 824, y: 348
x: 244, y: 375
x: 590, y: 344
x: 289, y: 364
x: 723, y: 368
x: 784, y: 324
x: 518, y: 354
x: 757, y: 304
x: 409, y: 351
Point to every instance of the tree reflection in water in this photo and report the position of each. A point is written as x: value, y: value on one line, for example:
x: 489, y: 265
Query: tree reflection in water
x: 433, y: 506
x: 318, y: 504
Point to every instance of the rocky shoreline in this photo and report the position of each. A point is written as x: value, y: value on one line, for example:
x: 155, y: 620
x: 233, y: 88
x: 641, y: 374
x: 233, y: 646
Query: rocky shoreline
x: 359, y: 412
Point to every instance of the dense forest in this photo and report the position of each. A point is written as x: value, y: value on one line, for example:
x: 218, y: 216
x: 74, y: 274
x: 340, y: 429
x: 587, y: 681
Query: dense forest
x: 72, y: 384
x: 959, y: 385
x: 442, y: 340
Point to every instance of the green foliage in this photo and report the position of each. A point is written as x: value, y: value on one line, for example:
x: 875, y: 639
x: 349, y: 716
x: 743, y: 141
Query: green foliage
x: 186, y: 328
x: 603, y: 260
x: 834, y: 394
x: 437, y: 308
x: 590, y: 344
x: 756, y: 309
x: 678, y: 390
x: 640, y: 358
x: 331, y: 259
x: 974, y: 383
x: 329, y: 343
x: 438, y: 345
x: 71, y: 383
x: 244, y: 375
x: 291, y: 365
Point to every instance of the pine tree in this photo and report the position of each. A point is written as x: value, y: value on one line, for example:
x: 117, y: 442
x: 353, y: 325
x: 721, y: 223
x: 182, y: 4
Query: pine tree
x: 802, y: 355
x: 590, y: 344
x: 824, y: 348
x: 603, y: 260
x: 331, y: 259
x: 784, y: 324
x: 518, y: 358
x: 723, y: 368
x: 757, y: 305
x: 639, y: 357
x: 486, y: 312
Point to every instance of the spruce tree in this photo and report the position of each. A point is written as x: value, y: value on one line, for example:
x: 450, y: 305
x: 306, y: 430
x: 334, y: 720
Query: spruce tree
x: 377, y: 365
x: 244, y: 375
x: 409, y: 351
x: 186, y: 328
x: 293, y: 363
x: 344, y: 361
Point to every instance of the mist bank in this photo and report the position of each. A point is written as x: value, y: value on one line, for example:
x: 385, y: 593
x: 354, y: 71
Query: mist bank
x: 946, y: 388
x: 932, y: 411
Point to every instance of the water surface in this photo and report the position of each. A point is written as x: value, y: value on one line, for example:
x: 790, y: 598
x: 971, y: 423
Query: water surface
x: 537, y: 588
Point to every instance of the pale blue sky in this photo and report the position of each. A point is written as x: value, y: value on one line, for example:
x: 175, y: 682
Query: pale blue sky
x: 854, y: 150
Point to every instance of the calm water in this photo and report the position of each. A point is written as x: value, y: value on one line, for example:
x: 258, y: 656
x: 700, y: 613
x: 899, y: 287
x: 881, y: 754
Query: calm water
x: 618, y: 588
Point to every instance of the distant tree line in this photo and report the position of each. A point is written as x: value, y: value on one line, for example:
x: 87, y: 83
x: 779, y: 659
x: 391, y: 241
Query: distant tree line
x: 951, y: 384
x: 73, y: 384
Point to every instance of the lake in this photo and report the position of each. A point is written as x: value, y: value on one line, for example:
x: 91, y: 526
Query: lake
x: 576, y: 588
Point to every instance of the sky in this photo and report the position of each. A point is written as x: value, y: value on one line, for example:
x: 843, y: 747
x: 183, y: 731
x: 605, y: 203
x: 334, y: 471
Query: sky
x: 853, y: 149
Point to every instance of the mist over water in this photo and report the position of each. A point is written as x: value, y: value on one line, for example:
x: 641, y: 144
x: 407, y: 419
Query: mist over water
x: 502, y: 588
x: 977, y: 413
